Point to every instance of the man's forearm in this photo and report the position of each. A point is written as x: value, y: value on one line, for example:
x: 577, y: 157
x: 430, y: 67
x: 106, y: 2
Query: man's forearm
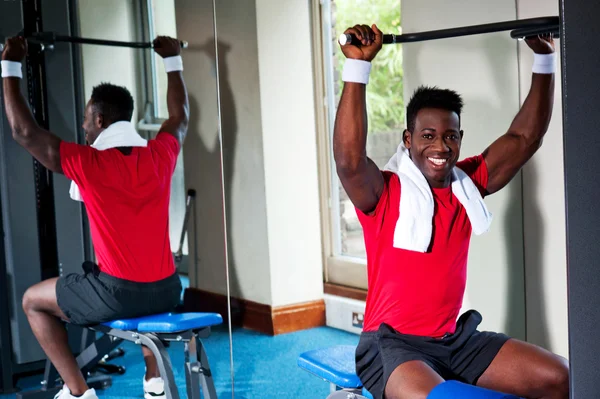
x: 177, y: 99
x: 534, y: 116
x: 19, y: 116
x: 351, y: 126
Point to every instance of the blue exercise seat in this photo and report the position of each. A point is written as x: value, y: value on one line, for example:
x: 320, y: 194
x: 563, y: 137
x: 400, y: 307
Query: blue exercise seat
x: 167, y: 322
x: 336, y: 365
x: 152, y: 331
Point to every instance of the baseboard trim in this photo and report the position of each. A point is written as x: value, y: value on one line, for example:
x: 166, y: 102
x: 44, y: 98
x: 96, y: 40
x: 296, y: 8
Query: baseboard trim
x: 257, y: 316
x: 344, y: 291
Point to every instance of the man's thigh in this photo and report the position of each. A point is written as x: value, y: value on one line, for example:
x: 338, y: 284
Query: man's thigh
x: 412, y: 380
x: 526, y: 370
x: 474, y: 356
x: 85, y: 300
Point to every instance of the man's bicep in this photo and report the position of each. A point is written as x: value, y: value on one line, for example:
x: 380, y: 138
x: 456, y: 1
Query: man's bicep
x: 504, y: 158
x: 175, y: 128
x: 364, y: 186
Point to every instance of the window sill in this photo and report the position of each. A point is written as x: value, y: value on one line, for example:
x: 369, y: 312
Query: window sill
x: 345, y: 292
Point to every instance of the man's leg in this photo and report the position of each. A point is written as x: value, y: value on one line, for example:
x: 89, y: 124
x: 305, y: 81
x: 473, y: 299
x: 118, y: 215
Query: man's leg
x: 151, y: 364
x: 412, y: 380
x: 528, y: 371
x: 41, y: 307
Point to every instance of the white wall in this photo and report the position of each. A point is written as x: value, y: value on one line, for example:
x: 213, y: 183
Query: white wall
x: 544, y: 213
x: 290, y: 152
x: 249, y: 263
x: 270, y: 169
x: 118, y: 23
x: 483, y: 68
x: 201, y: 152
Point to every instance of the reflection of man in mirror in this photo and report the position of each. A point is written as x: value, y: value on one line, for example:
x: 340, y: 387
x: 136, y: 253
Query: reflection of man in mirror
x: 418, y: 214
x: 124, y: 182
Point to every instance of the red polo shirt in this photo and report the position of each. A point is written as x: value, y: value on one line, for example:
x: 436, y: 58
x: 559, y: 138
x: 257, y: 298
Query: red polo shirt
x: 419, y: 293
x: 127, y: 202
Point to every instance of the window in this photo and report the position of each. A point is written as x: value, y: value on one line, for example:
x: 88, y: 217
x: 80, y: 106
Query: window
x: 345, y: 263
x: 159, y: 20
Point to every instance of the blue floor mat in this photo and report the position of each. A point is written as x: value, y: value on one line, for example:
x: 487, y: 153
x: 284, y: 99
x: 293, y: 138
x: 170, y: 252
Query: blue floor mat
x: 264, y: 366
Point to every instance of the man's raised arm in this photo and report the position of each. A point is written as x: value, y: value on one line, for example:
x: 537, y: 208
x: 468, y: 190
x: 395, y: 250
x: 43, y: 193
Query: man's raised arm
x: 177, y: 98
x: 359, y: 175
x: 509, y: 153
x: 40, y: 143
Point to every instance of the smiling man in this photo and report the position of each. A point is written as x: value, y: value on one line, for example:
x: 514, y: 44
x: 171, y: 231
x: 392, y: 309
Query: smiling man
x: 418, y: 215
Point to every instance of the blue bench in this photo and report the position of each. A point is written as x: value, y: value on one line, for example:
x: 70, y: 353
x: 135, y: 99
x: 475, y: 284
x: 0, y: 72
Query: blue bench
x: 336, y: 365
x: 153, y: 332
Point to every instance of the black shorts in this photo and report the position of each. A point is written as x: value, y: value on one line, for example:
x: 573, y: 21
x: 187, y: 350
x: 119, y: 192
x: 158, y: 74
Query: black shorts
x: 95, y: 297
x: 462, y: 356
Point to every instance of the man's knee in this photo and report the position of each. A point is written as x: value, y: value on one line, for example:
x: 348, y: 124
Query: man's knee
x: 31, y: 300
x: 40, y: 298
x: 556, y: 381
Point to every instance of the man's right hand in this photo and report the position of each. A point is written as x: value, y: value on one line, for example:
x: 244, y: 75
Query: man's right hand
x: 371, y: 41
x: 166, y: 46
x: 15, y: 49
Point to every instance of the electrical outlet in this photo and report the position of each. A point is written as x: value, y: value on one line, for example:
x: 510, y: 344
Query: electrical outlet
x: 357, y: 319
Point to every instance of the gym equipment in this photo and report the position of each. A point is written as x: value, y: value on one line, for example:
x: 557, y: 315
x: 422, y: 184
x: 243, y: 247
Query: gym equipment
x: 48, y: 39
x: 151, y: 331
x: 580, y: 63
x: 531, y: 26
x: 336, y: 365
x: 42, y: 238
x: 459, y: 390
x: 189, y: 204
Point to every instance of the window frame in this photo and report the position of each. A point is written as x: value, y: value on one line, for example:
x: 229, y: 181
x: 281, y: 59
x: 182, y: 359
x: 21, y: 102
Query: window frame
x: 337, y: 269
x: 149, y: 125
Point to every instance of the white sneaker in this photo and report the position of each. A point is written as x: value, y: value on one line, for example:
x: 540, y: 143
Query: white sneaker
x: 154, y: 388
x: 65, y: 393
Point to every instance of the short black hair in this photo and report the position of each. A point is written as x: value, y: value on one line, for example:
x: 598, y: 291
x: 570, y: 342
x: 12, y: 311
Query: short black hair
x: 115, y: 103
x: 432, y: 97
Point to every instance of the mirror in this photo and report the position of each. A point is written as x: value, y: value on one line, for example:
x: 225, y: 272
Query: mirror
x: 196, y: 223
x: 202, y: 266
x: 297, y: 259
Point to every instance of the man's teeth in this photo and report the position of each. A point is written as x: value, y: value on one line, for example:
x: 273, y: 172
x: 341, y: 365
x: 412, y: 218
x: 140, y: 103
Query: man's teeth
x: 438, y: 161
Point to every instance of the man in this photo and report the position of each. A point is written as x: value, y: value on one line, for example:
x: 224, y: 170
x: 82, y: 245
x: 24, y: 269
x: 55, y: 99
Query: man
x: 417, y: 216
x: 124, y: 182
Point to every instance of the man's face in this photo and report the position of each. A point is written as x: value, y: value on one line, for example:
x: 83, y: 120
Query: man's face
x: 435, y: 144
x: 92, y: 123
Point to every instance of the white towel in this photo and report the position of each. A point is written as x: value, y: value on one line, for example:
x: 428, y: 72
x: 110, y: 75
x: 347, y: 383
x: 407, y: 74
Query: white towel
x: 415, y: 224
x: 118, y: 134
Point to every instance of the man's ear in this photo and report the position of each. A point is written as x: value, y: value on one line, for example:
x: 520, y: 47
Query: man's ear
x: 99, y: 120
x: 461, y: 134
x: 406, y: 138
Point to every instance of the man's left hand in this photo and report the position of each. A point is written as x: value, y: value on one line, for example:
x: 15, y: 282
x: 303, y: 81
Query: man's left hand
x: 541, y: 44
x: 15, y: 49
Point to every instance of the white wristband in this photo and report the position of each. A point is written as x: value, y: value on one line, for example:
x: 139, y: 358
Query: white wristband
x: 356, y: 71
x: 173, y: 63
x: 11, y: 69
x: 544, y: 63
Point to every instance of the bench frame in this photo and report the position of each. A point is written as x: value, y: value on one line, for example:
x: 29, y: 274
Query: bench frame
x: 197, y: 369
x: 345, y: 393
